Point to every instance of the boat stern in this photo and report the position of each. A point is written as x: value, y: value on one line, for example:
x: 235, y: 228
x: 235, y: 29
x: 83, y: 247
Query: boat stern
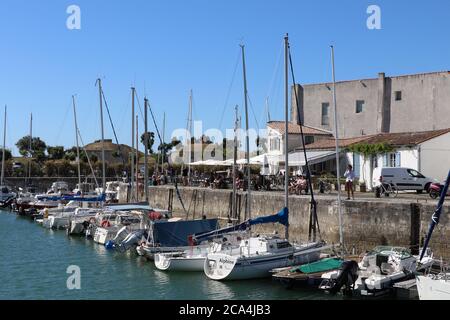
x: 219, y: 266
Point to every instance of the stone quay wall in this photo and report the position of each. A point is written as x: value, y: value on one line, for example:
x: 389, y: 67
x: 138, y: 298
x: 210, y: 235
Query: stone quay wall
x: 366, y: 223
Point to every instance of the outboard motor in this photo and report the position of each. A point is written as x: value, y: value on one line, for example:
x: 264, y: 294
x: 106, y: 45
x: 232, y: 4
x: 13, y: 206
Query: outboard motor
x: 347, y: 277
x: 131, y: 239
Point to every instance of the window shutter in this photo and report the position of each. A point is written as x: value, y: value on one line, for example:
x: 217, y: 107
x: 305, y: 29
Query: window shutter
x: 385, y: 160
x: 397, y: 160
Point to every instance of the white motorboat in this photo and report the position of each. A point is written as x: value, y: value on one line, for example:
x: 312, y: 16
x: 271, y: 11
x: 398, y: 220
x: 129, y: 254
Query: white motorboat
x: 377, y: 272
x: 434, y: 287
x: 60, y: 218
x: 86, y: 189
x: 112, y: 223
x: 383, y: 267
x: 79, y: 222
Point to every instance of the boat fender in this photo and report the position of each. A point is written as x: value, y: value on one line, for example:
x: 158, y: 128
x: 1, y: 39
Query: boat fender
x: 105, y: 224
x: 109, y: 244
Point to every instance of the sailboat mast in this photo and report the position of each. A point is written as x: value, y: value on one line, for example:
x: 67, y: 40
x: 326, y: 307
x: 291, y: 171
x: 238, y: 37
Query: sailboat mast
x: 146, y: 149
x: 247, y: 138
x: 336, y: 136
x: 3, y: 151
x: 137, y: 157
x: 132, y: 142
x: 234, y: 208
x: 30, y: 147
x: 190, y: 135
x: 163, y: 151
x: 78, y: 146
x: 103, y: 136
x: 286, y: 128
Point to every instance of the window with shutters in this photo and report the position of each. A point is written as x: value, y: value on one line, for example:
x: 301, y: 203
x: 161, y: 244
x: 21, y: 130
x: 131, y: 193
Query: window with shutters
x: 392, y: 160
x: 357, y: 164
x: 275, y: 144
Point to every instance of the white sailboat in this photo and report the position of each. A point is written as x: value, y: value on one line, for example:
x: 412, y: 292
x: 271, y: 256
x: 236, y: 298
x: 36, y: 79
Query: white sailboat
x: 256, y: 256
x: 193, y: 258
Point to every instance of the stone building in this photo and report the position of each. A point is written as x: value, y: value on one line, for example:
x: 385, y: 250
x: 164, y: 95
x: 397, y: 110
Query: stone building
x: 111, y: 151
x: 409, y: 103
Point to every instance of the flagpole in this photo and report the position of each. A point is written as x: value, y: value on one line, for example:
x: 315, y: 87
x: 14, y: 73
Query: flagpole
x: 336, y: 137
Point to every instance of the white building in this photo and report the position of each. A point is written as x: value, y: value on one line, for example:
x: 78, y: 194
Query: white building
x: 427, y: 152
x: 276, y: 137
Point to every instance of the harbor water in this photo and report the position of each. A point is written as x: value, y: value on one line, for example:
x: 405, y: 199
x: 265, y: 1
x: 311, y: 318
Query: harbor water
x: 34, y: 262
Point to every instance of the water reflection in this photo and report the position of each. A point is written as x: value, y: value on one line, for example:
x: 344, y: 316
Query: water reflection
x: 217, y: 290
x: 38, y: 271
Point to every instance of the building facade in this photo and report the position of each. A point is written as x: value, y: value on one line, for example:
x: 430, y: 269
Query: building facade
x: 410, y: 103
x: 427, y: 152
x: 276, y: 135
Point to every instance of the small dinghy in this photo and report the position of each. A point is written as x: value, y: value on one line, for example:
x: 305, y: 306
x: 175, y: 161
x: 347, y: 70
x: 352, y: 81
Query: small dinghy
x: 309, y: 273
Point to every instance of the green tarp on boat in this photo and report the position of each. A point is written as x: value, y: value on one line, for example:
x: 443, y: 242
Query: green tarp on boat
x: 319, y: 266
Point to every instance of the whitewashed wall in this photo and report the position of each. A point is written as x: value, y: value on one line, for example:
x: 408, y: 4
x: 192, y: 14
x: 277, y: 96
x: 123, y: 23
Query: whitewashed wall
x: 435, y: 157
x: 409, y: 158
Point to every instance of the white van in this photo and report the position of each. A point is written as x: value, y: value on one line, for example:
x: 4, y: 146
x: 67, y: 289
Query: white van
x: 403, y: 178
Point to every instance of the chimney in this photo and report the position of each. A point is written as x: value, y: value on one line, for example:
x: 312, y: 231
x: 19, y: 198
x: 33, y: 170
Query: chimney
x: 297, y: 115
x: 383, y: 103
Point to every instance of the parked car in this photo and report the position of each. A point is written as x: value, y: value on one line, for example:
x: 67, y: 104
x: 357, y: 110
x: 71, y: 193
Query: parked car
x: 436, y: 189
x: 17, y: 165
x: 402, y: 179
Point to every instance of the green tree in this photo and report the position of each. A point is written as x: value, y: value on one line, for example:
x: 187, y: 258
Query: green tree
x: 165, y: 148
x: 71, y: 154
x: 38, y: 148
x: 151, y: 140
x: 55, y: 153
x: 368, y: 150
x: 92, y: 157
x: 8, y: 154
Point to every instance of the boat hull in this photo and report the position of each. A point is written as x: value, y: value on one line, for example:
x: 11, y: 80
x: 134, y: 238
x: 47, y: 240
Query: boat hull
x: 149, y: 252
x: 430, y: 289
x: 185, y: 264
x: 220, y: 266
x: 103, y: 235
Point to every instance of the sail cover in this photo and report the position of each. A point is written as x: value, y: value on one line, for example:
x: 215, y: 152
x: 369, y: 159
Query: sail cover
x: 199, y: 237
x: 176, y: 234
x: 100, y: 198
x: 281, y: 217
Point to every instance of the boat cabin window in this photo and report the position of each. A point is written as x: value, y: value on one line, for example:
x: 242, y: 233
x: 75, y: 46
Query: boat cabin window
x: 284, y: 244
x: 129, y: 220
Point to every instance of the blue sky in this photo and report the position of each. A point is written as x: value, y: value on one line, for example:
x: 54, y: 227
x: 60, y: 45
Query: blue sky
x: 165, y: 48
